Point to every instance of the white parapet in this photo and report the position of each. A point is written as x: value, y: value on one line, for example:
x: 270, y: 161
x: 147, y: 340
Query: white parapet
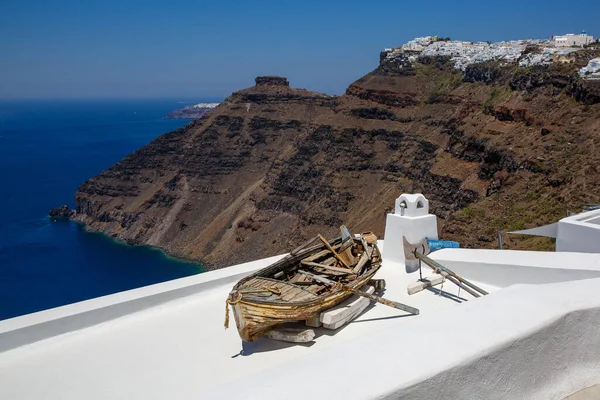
x: 412, y: 220
x: 579, y: 233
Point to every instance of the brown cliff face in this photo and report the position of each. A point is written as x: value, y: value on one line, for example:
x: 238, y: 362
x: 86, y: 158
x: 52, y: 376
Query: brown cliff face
x: 271, y: 166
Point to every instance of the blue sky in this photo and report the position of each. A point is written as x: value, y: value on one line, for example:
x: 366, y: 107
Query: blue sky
x: 92, y: 49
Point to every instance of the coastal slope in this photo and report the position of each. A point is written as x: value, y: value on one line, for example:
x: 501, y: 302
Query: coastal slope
x: 195, y: 111
x: 493, y: 147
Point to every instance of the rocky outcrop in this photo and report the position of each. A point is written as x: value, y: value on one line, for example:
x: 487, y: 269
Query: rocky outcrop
x: 585, y: 91
x: 488, y: 72
x: 272, y: 81
x: 385, y: 97
x: 62, y: 212
x: 393, y: 63
x: 273, y: 165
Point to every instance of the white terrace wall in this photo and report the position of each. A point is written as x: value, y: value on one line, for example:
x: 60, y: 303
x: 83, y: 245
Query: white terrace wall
x: 503, y: 268
x: 579, y: 233
x: 524, y: 342
x: 45, y: 324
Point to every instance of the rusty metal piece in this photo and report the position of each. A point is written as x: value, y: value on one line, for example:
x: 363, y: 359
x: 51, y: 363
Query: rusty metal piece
x: 410, y: 250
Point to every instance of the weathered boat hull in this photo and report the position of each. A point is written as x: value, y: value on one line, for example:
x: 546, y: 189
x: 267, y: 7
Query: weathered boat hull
x: 254, y: 318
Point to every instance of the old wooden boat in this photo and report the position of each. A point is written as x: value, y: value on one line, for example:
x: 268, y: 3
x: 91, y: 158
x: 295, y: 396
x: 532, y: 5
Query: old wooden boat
x: 311, y: 279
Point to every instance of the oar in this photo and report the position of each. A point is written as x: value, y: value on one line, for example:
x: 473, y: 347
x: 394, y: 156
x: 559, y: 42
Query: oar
x: 372, y: 297
x: 420, y: 250
x: 457, y: 282
x: 326, y: 243
x: 435, y: 265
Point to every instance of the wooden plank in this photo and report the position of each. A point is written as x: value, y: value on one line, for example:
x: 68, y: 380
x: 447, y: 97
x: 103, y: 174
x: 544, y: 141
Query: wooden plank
x: 295, y: 278
x: 364, y: 257
x: 314, y: 321
x: 315, y: 288
x: 418, y: 286
x: 304, y: 245
x: 379, y: 299
x: 320, y: 254
x: 346, y: 250
x: 333, y: 251
x: 366, y: 247
x: 329, y: 261
x: 282, y: 285
x: 296, y: 295
x: 328, y: 267
x: 332, y: 273
x: 346, y: 311
x: 305, y: 283
x: 293, y: 335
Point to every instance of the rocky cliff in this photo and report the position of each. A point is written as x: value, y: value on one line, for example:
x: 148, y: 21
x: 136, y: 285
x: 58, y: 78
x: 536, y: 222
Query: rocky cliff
x: 495, y: 147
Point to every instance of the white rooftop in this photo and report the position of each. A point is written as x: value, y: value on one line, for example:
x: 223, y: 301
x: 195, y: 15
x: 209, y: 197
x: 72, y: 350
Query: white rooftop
x: 172, y: 343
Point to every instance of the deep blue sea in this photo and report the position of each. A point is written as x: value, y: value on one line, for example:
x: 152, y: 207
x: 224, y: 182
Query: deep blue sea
x: 47, y: 148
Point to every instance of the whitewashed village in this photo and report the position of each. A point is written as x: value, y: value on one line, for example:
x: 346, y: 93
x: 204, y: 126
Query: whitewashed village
x: 411, y: 315
x: 462, y: 53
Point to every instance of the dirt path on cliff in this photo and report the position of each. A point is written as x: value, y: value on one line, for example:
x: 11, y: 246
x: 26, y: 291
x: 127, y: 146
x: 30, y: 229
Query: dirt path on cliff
x: 236, y: 209
x: 170, y: 217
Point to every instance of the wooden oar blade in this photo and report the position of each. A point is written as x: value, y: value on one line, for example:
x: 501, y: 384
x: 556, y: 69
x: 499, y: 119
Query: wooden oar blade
x: 345, y: 233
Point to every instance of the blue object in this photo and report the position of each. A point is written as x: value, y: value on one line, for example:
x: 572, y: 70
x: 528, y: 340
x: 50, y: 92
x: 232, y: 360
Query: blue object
x: 442, y: 244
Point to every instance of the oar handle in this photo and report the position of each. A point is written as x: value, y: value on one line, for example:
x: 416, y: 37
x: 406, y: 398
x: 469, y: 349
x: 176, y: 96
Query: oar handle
x: 326, y: 243
x: 434, y: 264
x: 389, y: 303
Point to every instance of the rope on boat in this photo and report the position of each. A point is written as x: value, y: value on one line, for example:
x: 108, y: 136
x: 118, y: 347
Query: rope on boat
x: 273, y: 289
x: 229, y: 302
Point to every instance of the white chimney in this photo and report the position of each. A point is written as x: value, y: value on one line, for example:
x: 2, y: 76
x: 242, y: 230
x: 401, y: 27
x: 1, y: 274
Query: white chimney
x: 411, y: 219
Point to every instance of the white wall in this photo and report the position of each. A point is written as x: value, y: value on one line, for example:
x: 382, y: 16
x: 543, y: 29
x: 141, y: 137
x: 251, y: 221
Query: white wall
x: 45, y: 324
x: 579, y: 233
x: 524, y: 342
x: 573, y: 40
x: 503, y: 268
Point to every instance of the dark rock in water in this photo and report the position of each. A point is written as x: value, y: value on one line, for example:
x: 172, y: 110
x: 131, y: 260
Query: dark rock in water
x: 61, y: 212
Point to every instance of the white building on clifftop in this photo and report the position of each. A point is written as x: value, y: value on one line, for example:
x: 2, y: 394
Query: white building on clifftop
x: 571, y: 39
